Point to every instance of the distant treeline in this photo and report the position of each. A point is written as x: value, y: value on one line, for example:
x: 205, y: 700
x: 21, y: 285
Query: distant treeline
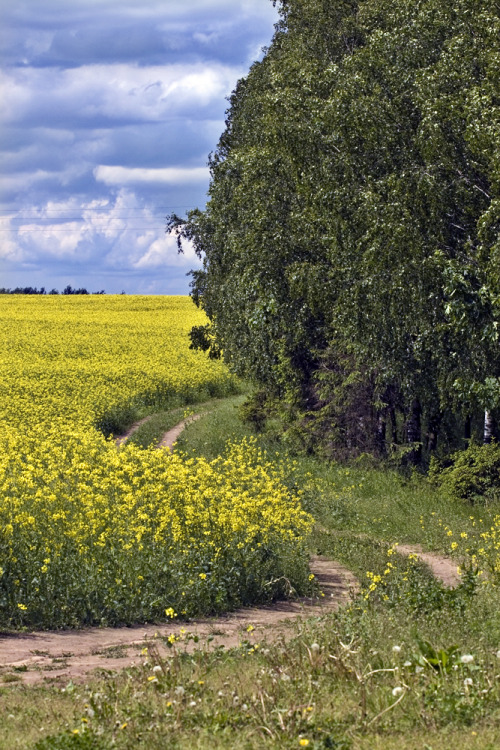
x: 34, y: 290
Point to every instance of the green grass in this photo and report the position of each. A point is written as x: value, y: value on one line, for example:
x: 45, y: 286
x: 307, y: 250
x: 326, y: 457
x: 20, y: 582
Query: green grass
x: 118, y: 419
x: 338, y: 693
x: 337, y: 683
x: 209, y: 435
x: 152, y: 431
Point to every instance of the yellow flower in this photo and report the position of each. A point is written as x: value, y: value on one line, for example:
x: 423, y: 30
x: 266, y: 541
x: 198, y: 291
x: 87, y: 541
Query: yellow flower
x: 127, y: 518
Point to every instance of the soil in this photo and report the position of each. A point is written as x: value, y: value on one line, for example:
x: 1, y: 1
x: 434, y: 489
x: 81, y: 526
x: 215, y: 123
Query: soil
x: 121, y: 439
x: 170, y: 437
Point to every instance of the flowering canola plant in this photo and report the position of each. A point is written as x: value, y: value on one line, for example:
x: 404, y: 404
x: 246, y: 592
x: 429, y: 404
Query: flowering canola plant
x: 92, y: 533
x: 78, y: 359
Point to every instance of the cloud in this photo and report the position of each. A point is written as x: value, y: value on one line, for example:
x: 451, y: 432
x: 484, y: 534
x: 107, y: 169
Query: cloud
x: 109, y: 95
x: 163, y: 252
x: 167, y: 175
x: 109, y: 109
x: 74, y: 235
x: 77, y: 33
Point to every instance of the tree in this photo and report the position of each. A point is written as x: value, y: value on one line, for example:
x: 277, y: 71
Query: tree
x: 351, y: 238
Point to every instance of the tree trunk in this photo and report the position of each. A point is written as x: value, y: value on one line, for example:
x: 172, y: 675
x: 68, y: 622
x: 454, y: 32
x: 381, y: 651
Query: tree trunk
x: 489, y: 427
x: 380, y: 437
x: 468, y: 427
x: 433, y: 432
x: 394, y: 425
x: 414, y: 432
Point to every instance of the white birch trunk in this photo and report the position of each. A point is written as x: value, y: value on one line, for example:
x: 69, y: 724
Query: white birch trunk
x: 489, y: 428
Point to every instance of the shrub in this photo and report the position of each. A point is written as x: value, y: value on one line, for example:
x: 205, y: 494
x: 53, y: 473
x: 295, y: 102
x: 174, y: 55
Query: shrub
x: 474, y: 474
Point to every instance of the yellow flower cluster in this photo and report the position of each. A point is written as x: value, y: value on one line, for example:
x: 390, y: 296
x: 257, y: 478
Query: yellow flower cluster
x: 378, y: 581
x: 478, y: 548
x: 94, y: 533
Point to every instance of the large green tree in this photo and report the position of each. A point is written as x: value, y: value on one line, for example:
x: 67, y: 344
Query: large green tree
x: 350, y: 243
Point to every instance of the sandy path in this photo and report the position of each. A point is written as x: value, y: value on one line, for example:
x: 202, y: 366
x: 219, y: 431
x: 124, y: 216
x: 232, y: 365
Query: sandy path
x: 170, y: 437
x: 121, y: 439
x: 443, y: 568
x: 61, y: 656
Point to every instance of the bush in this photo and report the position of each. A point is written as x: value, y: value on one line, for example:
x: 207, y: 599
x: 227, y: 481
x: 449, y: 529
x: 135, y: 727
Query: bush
x: 255, y: 411
x: 474, y: 474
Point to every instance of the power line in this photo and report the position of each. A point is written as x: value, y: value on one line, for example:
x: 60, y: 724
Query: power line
x: 50, y: 229
x: 104, y: 208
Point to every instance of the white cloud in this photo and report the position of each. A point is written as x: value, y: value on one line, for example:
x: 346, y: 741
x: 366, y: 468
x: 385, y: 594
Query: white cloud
x: 110, y: 108
x: 163, y: 252
x: 122, y: 234
x: 111, y: 93
x: 167, y: 175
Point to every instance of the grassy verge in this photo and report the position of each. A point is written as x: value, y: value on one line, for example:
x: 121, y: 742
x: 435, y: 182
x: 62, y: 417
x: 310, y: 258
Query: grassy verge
x: 358, y: 679
x: 409, y: 664
x: 151, y: 432
x: 169, y: 401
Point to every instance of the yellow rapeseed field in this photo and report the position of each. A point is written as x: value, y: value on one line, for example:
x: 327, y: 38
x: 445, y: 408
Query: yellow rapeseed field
x: 79, y: 357
x: 92, y: 533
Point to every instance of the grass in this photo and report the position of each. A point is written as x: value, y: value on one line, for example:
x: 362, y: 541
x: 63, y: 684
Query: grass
x: 163, y: 409
x: 391, y: 671
x: 209, y: 435
x: 152, y: 431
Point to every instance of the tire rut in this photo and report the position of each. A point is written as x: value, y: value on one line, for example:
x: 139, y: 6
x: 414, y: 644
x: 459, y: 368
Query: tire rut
x: 61, y: 656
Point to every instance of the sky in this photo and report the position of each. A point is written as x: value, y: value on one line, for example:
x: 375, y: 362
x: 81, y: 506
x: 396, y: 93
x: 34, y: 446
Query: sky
x: 110, y: 109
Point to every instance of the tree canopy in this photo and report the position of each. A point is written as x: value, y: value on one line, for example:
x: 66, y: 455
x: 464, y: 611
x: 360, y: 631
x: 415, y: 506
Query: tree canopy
x: 351, y: 240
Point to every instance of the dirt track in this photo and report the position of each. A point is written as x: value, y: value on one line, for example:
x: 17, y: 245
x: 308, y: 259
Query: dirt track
x: 442, y: 567
x: 62, y: 656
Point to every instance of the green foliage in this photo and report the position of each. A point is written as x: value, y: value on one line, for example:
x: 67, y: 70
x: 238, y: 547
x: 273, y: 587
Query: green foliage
x: 354, y: 212
x: 72, y: 741
x: 416, y: 669
x: 474, y: 474
x: 255, y: 411
x: 440, y: 659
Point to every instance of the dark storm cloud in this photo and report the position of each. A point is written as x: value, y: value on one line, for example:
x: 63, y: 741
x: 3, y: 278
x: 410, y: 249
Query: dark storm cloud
x: 110, y: 110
